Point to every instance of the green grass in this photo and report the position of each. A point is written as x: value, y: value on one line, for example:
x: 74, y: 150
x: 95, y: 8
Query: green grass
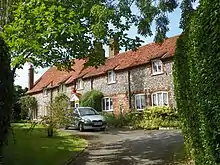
x: 36, y: 148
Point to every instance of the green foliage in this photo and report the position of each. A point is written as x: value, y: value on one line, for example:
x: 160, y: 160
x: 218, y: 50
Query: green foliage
x: 197, y: 77
x: 28, y: 105
x: 18, y: 93
x: 6, y: 93
x: 92, y: 99
x: 39, y: 31
x: 159, y: 116
x: 117, y: 121
x: 150, y: 118
x: 58, y: 115
x: 38, y: 148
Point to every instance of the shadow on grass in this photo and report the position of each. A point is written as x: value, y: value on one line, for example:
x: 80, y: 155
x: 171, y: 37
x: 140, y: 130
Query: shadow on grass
x: 158, y: 147
x: 35, y: 148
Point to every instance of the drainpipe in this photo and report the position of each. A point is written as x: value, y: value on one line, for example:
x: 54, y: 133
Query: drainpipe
x: 51, y: 92
x: 91, y: 83
x: 129, y: 89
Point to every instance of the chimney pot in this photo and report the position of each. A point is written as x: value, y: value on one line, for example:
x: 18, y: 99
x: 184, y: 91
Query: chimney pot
x: 30, y: 77
x: 113, y: 47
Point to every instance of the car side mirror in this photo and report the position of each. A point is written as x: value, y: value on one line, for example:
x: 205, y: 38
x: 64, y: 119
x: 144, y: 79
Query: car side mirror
x: 76, y: 114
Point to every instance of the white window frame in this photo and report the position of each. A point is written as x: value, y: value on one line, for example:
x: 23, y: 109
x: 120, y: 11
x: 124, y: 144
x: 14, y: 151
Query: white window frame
x: 62, y: 88
x: 162, y: 101
x: 111, y: 79
x: 80, y: 84
x: 45, y: 92
x: 136, y: 96
x: 104, y: 99
x: 157, y: 63
x: 46, y: 109
x: 35, y: 114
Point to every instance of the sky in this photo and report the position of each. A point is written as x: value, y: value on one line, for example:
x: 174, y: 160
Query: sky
x: 22, y: 74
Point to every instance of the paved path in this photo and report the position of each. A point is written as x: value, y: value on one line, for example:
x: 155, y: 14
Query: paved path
x: 131, y: 147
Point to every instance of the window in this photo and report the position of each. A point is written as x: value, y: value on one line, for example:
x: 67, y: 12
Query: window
x: 157, y: 67
x: 46, y: 109
x: 140, y: 101
x: 111, y: 77
x: 45, y: 92
x: 34, y: 114
x: 62, y: 88
x: 107, y: 104
x: 160, y: 99
x: 79, y: 84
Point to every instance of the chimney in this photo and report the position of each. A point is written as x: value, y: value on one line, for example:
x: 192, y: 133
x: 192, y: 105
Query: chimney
x: 30, y: 77
x: 113, y: 47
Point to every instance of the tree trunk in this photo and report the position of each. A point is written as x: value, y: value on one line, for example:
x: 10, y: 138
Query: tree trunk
x: 6, y: 94
x: 50, y: 132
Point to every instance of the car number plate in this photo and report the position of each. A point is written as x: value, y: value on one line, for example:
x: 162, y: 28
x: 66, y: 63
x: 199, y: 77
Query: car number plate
x: 97, y: 123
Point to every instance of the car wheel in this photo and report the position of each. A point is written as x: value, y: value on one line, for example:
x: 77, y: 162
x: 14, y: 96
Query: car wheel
x: 81, y: 127
x: 102, y: 129
x: 66, y: 128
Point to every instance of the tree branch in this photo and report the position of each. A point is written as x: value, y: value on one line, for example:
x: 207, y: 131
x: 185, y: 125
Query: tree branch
x: 17, y: 65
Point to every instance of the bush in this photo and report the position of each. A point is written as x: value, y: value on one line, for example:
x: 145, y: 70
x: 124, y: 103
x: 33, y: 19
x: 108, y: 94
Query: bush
x: 128, y: 119
x: 28, y: 104
x: 150, y: 118
x: 197, y: 87
x: 92, y: 99
x: 159, y: 116
x: 58, y: 115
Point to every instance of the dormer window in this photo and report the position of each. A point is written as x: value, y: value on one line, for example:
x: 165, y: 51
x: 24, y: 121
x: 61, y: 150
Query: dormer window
x: 111, y: 77
x: 62, y: 88
x: 157, y: 67
x: 45, y: 92
x: 80, y: 84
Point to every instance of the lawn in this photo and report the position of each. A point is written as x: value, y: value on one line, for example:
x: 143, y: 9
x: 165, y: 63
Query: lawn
x: 36, y: 148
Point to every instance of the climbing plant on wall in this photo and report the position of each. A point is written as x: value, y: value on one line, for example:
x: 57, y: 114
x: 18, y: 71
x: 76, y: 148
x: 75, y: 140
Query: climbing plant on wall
x: 197, y: 77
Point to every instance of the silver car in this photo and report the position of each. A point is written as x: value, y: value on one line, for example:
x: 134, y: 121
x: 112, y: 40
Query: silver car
x: 85, y: 118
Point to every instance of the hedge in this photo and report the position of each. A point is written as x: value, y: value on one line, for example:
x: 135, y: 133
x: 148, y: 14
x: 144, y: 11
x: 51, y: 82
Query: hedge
x: 93, y: 99
x: 197, y: 83
x: 150, y: 118
x: 159, y: 116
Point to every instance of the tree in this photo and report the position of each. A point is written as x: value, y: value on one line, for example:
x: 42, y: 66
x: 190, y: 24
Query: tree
x: 28, y: 105
x: 6, y: 94
x: 93, y: 99
x: 58, y: 115
x: 19, y: 92
x: 54, y: 32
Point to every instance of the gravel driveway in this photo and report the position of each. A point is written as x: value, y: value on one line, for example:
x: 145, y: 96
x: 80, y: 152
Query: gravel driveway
x: 127, y: 147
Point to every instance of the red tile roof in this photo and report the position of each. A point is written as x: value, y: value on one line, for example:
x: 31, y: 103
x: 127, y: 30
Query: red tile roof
x: 143, y: 55
x: 54, y: 77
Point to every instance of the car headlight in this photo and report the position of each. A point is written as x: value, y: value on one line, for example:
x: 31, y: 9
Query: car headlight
x: 87, y: 120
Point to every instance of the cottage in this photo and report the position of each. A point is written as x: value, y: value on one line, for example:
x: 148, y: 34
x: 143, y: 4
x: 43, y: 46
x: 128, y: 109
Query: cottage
x: 132, y: 79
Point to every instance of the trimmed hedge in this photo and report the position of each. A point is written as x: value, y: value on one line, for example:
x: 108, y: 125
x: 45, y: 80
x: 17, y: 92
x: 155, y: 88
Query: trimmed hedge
x: 150, y: 118
x: 159, y: 116
x: 197, y: 83
x: 128, y: 119
x: 92, y: 99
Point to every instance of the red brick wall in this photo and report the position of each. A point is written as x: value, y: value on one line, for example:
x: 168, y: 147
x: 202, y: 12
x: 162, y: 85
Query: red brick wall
x: 120, y: 104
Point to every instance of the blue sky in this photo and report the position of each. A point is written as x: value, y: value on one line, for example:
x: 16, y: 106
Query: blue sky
x: 22, y: 74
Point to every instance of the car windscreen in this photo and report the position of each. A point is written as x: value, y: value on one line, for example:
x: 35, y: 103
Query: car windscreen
x: 87, y: 111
